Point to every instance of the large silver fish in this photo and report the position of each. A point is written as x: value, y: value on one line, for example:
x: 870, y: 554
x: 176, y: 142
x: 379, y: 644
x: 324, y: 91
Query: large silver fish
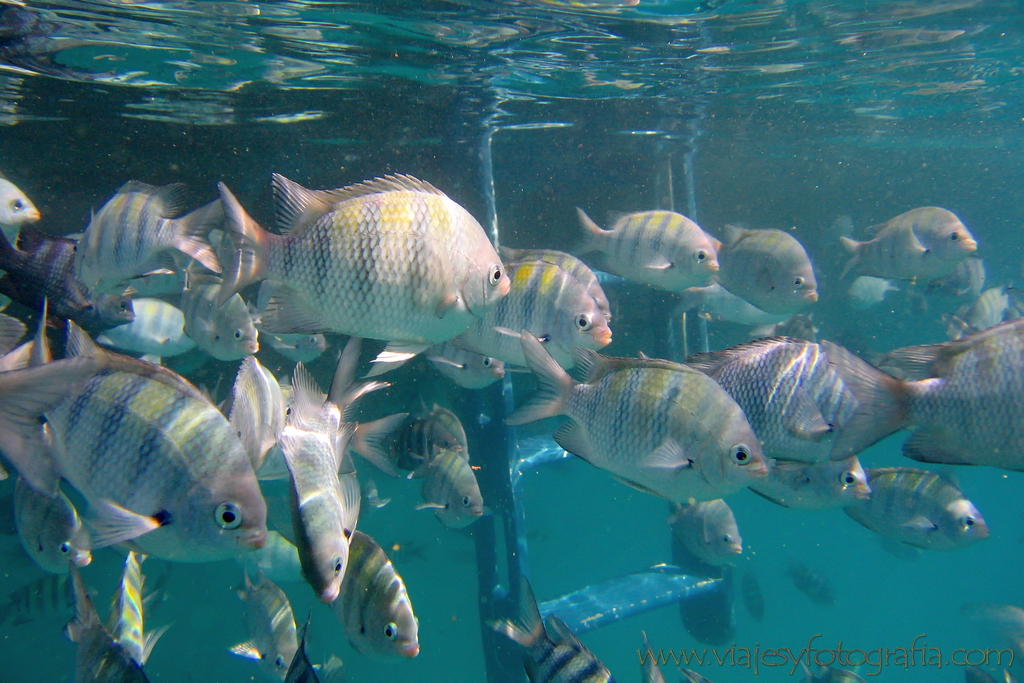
x: 224, y: 330
x: 919, y: 508
x: 158, y: 463
x: 549, y: 302
x: 662, y: 249
x: 271, y: 626
x: 805, y: 400
x: 768, y: 268
x: 374, y: 607
x: 993, y: 306
x: 135, y: 232
x: 814, y: 486
x: 577, y: 268
x: 661, y: 427
x: 50, y: 529
x: 969, y: 408
x: 708, y: 529
x: 392, y: 259
x: 927, y: 242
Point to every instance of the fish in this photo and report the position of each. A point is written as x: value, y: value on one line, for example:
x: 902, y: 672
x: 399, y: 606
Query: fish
x: 767, y: 268
x: 465, y: 368
x: 51, y: 596
x: 553, y: 654
x: 427, y: 433
x: 1004, y: 623
x: 923, y: 243
x: 301, y: 670
x: 649, y: 671
x: 450, y: 489
x: 993, y: 306
x: 158, y: 463
x: 814, y: 486
x: 158, y: 329
x: 298, y: 348
x: 50, y: 529
x: 278, y: 559
x: 661, y: 427
x: 867, y: 291
x: 751, y: 595
x: 812, y: 584
x: 663, y: 249
x: 127, y: 618
x: 919, y: 508
x: 577, y: 268
x: 16, y: 209
x: 325, y: 506
x: 12, y: 331
x: 719, y: 303
x: 257, y: 410
x: 807, y: 401
x: 967, y: 279
x: 354, y: 270
x: 708, y: 529
x: 100, y: 657
x: 135, y: 231
x: 549, y: 302
x: 374, y: 607
x: 272, y: 641
x: 968, y: 403
x: 223, y: 329
x: 372, y: 497
x: 43, y: 268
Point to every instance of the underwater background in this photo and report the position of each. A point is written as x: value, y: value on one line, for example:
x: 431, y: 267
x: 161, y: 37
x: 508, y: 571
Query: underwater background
x: 776, y: 114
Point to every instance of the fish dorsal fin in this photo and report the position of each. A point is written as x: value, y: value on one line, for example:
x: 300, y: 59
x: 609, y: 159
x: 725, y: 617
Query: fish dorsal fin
x: 389, y: 183
x: 81, y: 344
x: 172, y: 196
x: 295, y: 206
x: 711, y: 361
x: 345, y: 372
x: 923, y: 362
x: 733, y: 233
x: 308, y: 397
x: 40, y: 346
x: 562, y: 634
x: 592, y: 366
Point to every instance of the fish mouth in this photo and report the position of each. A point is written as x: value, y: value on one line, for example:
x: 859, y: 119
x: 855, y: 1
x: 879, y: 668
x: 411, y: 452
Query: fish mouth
x: 811, y: 296
x: 603, y: 336
x: 330, y: 594
x: 713, y: 266
x: 410, y: 650
x: 252, y: 348
x: 83, y: 559
x: 255, y: 539
x: 32, y: 215
x: 757, y: 469
x: 970, y: 245
x: 980, y: 530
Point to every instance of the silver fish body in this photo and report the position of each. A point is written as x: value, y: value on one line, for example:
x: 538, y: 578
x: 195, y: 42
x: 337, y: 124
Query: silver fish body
x: 708, y: 529
x: 721, y: 304
x: 919, y: 508
x: 768, y: 268
x: 127, y: 612
x: 465, y: 368
x: 814, y: 486
x: 135, y: 228
x: 271, y: 626
x: 50, y: 529
x: 257, y: 410
x: 923, y: 243
x: 278, y: 559
x: 450, y: 489
x: 298, y: 348
x: 16, y: 210
x: 224, y: 330
x: 661, y: 427
x: 579, y: 270
x: 867, y: 291
x: 374, y: 607
x: 662, y: 249
x: 157, y: 329
x: 993, y: 306
x: 427, y: 433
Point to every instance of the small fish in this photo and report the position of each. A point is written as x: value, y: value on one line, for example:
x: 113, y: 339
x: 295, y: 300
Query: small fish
x: 136, y: 229
x: 751, y: 595
x: 100, y: 657
x: 301, y: 670
x: 127, y: 612
x: 568, y: 262
x: 15, y: 210
x: 709, y: 530
x: 649, y: 671
x: 278, y: 559
x: 352, y: 267
x: 919, y: 508
x: 373, y: 606
x: 465, y: 368
x: 450, y: 489
x: 993, y: 306
x: 967, y: 279
x: 561, y: 658
x: 257, y: 410
x: 551, y: 304
x: 49, y: 597
x: 42, y: 267
x: 811, y: 584
x: 271, y: 625
x: 662, y: 249
x: 661, y: 427
x: 1001, y: 623
x: 222, y: 329
x: 867, y: 291
x: 768, y: 268
x: 428, y: 432
x: 923, y: 243
x: 50, y: 529
x: 298, y: 348
x: 372, y: 497
x: 158, y: 329
x: 720, y: 304
x: 814, y: 486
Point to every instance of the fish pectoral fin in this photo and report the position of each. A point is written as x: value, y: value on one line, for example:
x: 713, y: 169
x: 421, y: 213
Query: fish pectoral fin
x: 430, y: 506
x: 448, y: 302
x: 638, y: 487
x: 806, y: 421
x: 444, y: 361
x: 778, y: 501
x: 668, y: 456
x: 289, y: 312
x: 247, y: 650
x: 933, y: 445
x: 920, y: 523
x: 395, y: 354
x: 658, y: 262
x: 149, y: 641
x: 507, y: 332
x: 111, y: 524
x: 573, y: 437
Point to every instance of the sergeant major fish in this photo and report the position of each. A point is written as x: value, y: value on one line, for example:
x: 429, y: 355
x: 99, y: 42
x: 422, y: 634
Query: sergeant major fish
x: 223, y: 329
x: 16, y: 210
x: 768, y: 268
x: 450, y: 489
x: 392, y: 259
x: 158, y: 329
x: 812, y: 584
x: 50, y: 529
x: 658, y: 426
x: 721, y: 304
x: 708, y: 529
x: 271, y: 626
x: 298, y: 348
x: 257, y: 410
x: 127, y: 618
x: 568, y: 262
x: 814, y: 486
x: 465, y: 368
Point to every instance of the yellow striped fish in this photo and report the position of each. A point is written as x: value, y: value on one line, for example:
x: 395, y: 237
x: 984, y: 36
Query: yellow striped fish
x: 271, y: 625
x: 127, y: 621
x: 450, y: 489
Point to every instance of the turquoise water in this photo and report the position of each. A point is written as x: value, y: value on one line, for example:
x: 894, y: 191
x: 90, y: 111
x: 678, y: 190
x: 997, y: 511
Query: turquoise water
x: 773, y: 114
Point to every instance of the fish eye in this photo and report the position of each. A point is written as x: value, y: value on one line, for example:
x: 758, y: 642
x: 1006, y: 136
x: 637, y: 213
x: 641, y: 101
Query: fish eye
x: 65, y: 548
x: 701, y: 256
x: 288, y: 411
x: 798, y: 282
x: 849, y: 479
x: 466, y: 501
x: 968, y: 522
x: 337, y: 565
x: 741, y: 454
x: 494, y: 277
x: 488, y: 361
x: 726, y: 538
x: 583, y: 322
x: 279, y: 662
x: 17, y: 205
x: 228, y: 516
x: 391, y: 631
x: 953, y: 237
x: 238, y: 334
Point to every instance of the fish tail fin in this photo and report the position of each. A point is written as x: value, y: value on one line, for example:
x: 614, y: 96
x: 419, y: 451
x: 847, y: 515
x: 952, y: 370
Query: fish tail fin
x: 853, y: 248
x: 193, y: 229
x: 553, y: 384
x: 369, y: 442
x: 249, y: 260
x: 592, y: 232
x: 528, y: 628
x: 883, y: 402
